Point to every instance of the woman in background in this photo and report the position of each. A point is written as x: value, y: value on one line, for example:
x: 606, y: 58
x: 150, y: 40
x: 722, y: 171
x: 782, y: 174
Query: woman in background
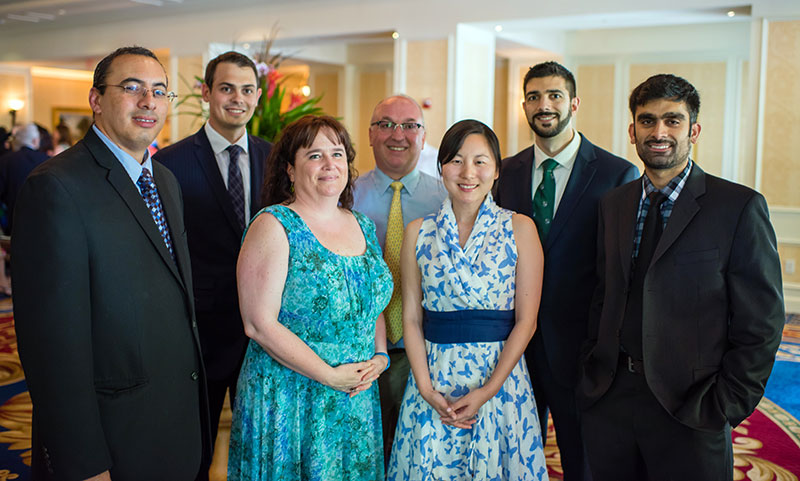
x: 471, y: 278
x: 312, y: 286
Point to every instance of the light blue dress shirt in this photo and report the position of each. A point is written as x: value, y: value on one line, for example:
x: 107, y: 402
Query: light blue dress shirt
x: 131, y: 165
x: 372, y: 196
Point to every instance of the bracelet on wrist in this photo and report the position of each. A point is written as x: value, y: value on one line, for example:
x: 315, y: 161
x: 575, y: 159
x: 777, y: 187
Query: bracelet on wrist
x: 388, y: 361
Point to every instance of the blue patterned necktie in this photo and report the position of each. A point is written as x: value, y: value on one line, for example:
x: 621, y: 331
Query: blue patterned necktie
x: 235, y: 184
x: 150, y: 195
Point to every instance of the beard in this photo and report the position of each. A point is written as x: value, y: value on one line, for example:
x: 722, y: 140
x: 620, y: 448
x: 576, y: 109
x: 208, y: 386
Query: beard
x: 547, y: 132
x: 657, y: 161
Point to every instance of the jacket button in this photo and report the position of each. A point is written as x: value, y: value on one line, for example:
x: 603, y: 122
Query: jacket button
x: 195, y: 375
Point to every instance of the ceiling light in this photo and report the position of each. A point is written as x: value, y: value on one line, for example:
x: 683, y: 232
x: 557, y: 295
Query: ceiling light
x: 395, y: 35
x: 246, y: 46
x: 498, y: 28
x: 731, y: 13
x: 305, y: 90
x: 155, y: 3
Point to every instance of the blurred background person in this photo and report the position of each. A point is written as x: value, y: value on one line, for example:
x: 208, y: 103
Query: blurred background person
x: 62, y: 138
x: 312, y: 285
x: 15, y: 167
x: 472, y: 279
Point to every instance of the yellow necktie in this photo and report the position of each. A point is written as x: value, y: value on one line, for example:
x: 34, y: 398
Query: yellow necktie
x: 391, y: 253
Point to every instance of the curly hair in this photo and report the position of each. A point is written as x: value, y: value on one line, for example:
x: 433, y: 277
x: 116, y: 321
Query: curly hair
x: 299, y: 134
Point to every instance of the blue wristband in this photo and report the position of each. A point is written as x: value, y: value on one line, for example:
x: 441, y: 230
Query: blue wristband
x: 388, y: 361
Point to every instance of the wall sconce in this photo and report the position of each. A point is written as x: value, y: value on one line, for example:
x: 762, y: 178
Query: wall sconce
x: 14, y: 105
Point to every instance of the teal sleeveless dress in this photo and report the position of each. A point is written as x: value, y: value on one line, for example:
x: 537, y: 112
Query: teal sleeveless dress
x: 287, y: 426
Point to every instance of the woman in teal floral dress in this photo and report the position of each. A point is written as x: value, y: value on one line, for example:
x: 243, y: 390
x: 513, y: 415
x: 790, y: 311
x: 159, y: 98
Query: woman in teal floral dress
x: 312, y: 286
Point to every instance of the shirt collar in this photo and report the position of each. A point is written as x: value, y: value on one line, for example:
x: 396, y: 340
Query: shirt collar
x: 673, y: 187
x: 131, y: 165
x: 565, y: 158
x: 410, y: 181
x: 220, y: 143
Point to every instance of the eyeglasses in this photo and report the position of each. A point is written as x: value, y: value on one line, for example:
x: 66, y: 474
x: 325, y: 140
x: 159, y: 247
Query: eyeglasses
x: 136, y: 89
x: 405, y: 127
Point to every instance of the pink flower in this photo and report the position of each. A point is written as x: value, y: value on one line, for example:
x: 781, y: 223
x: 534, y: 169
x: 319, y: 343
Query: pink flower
x: 295, y: 100
x: 272, y: 81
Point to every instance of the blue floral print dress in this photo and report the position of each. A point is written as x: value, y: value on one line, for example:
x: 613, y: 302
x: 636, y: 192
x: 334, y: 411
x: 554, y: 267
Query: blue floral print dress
x: 286, y: 426
x: 468, y: 299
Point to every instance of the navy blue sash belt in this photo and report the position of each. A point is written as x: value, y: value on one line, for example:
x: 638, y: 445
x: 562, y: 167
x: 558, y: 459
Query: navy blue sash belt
x: 473, y: 325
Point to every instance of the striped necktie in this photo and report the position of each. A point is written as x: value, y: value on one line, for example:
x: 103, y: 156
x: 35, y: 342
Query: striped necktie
x: 235, y: 184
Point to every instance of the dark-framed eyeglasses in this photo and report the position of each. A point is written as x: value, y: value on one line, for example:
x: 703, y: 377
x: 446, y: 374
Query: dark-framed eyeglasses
x: 133, y: 90
x: 405, y: 127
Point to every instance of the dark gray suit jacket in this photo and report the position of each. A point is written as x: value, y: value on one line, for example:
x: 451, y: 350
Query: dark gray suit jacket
x: 570, y: 249
x: 105, y: 323
x: 214, y: 241
x: 712, y: 307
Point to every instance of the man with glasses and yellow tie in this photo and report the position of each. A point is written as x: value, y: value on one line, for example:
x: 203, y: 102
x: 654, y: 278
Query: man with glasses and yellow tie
x: 393, y: 194
x: 103, y: 295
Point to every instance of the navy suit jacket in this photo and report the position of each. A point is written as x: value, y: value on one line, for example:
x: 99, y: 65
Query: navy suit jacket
x: 570, y: 248
x: 214, y: 241
x: 14, y: 169
x: 712, y: 313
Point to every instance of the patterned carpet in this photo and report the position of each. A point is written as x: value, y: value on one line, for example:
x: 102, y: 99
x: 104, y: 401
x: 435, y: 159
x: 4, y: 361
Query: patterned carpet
x: 766, y: 446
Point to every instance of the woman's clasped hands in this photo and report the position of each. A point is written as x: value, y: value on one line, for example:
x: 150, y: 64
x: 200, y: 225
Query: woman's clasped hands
x: 355, y: 377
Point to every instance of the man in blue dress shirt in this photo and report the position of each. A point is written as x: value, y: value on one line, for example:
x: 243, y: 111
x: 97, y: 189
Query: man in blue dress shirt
x: 397, y: 136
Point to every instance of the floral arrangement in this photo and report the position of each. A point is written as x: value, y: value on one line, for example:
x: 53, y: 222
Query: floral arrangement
x: 270, y: 116
x: 269, y: 119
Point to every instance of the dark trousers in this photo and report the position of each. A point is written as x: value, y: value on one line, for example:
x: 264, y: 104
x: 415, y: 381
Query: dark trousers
x: 216, y: 398
x: 629, y: 436
x: 560, y: 402
x: 392, y: 385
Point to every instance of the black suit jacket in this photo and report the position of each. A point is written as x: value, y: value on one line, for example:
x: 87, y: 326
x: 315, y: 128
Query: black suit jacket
x: 14, y: 169
x: 214, y: 241
x: 105, y: 325
x: 570, y: 249
x: 712, y: 306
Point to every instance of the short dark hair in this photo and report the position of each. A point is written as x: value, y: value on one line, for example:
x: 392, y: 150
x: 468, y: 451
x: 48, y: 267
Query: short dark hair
x: 235, y: 58
x: 551, y: 69
x: 669, y: 87
x: 299, y: 134
x: 101, y: 71
x: 454, y: 138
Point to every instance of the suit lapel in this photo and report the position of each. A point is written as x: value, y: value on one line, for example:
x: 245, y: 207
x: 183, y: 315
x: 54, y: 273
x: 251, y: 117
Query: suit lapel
x: 121, y: 181
x: 208, y: 163
x: 684, y: 210
x: 626, y: 224
x: 171, y: 203
x: 579, y: 179
x: 256, y: 176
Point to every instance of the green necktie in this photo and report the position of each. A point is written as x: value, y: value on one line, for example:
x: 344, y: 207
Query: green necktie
x: 544, y: 198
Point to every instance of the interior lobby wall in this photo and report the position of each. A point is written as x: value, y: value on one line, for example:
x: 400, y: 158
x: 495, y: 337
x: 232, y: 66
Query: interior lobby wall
x: 426, y: 78
x: 53, y: 95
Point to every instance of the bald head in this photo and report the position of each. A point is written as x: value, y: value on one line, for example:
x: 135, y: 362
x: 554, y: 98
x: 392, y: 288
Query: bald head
x: 397, y: 150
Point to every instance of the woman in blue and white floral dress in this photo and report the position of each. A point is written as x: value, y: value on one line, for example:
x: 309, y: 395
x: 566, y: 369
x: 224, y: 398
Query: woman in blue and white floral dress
x: 471, y: 279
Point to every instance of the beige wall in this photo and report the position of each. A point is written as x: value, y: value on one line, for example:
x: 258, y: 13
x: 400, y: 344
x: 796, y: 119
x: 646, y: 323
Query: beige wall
x: 595, y: 117
x: 186, y: 84
x: 325, y: 82
x: 501, y: 103
x: 426, y: 78
x: 787, y: 251
x: 373, y: 85
x: 709, y: 80
x: 780, y: 167
x: 12, y: 87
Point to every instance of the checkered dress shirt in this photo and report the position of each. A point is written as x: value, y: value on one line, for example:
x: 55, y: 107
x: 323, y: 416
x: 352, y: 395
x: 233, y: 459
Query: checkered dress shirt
x: 672, y: 191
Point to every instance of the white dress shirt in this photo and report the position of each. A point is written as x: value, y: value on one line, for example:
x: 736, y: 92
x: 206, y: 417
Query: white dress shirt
x: 218, y: 145
x: 565, y: 160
